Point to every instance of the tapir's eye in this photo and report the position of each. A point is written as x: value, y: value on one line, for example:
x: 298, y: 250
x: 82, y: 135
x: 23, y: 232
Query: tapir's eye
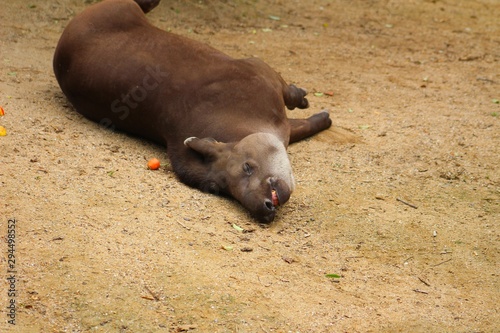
x: 247, y: 168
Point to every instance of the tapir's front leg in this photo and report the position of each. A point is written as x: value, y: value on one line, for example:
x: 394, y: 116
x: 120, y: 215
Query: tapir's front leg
x: 303, y: 128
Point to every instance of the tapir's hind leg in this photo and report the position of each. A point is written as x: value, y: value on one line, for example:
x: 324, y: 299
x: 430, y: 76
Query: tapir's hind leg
x: 303, y: 128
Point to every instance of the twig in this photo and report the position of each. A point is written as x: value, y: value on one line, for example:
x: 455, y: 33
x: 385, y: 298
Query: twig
x: 406, y: 203
x: 420, y: 291
x: 442, y: 262
x: 184, y: 226
x: 424, y: 282
x: 152, y: 293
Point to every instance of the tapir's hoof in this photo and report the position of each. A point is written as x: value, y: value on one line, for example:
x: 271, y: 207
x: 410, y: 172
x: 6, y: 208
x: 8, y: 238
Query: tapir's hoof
x: 147, y: 5
x: 321, y: 120
x: 295, y: 98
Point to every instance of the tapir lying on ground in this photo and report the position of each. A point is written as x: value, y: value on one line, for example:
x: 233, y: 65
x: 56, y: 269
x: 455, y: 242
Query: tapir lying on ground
x: 223, y: 120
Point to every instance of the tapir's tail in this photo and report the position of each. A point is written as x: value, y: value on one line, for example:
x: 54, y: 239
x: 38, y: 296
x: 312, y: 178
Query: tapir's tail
x: 147, y: 5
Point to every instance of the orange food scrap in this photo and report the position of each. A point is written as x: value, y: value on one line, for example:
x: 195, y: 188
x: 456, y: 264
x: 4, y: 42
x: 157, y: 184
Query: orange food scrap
x: 153, y: 164
x: 2, y: 112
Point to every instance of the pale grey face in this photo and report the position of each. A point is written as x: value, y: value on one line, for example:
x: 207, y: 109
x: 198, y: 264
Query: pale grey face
x: 250, y: 170
x: 258, y: 166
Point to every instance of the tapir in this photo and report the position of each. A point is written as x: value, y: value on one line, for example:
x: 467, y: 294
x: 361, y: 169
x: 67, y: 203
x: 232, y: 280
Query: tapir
x: 223, y: 120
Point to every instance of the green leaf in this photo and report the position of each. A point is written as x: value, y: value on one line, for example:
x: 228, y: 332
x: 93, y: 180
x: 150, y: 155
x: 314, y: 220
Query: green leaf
x: 237, y: 227
x: 333, y: 276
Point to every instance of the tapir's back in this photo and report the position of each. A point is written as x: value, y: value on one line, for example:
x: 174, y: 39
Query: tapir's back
x: 110, y: 62
x: 122, y: 72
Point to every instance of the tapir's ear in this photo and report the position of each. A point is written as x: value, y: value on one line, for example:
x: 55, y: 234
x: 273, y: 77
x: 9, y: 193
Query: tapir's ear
x: 208, y: 147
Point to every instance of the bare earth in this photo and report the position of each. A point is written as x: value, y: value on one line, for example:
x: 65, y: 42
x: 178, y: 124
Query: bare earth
x: 400, y: 198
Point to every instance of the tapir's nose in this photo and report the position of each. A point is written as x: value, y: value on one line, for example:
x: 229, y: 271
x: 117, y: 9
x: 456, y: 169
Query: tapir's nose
x: 269, y: 204
x: 282, y: 194
x: 268, y: 212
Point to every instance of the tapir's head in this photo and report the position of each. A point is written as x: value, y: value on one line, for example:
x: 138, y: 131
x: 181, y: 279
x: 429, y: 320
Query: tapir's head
x: 256, y: 171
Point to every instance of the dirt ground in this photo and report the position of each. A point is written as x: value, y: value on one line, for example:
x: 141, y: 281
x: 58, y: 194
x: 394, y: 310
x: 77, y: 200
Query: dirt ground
x: 400, y: 198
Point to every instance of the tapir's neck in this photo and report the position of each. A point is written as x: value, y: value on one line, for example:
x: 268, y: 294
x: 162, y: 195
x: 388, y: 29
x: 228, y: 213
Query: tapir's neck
x: 195, y: 171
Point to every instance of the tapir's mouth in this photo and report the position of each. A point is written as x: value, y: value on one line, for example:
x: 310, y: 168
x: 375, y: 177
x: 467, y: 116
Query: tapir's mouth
x: 275, y: 197
x: 264, y: 209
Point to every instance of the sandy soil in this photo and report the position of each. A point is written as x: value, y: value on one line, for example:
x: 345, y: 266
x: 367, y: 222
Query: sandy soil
x: 400, y: 198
